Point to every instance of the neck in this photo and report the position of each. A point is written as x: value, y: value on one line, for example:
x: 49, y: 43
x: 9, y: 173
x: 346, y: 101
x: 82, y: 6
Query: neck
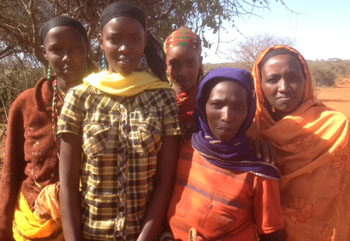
x: 65, y: 85
x: 178, y: 89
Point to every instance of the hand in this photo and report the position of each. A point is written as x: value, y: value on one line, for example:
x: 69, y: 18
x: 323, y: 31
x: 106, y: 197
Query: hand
x: 264, y: 149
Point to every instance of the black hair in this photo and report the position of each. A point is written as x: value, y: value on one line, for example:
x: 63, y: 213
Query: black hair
x: 280, y: 51
x: 153, y: 51
x: 63, y: 21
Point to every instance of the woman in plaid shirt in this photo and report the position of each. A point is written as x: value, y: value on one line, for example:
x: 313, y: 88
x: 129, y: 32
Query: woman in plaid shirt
x: 125, y: 122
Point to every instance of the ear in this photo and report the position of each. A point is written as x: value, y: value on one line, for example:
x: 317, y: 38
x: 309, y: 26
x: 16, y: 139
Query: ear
x: 43, y: 51
x: 100, y: 40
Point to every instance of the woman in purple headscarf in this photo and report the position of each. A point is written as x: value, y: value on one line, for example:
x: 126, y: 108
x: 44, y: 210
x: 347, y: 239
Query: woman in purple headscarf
x: 222, y: 191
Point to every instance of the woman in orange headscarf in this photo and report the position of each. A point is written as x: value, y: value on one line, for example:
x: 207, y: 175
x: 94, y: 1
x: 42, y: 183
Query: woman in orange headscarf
x: 312, y: 143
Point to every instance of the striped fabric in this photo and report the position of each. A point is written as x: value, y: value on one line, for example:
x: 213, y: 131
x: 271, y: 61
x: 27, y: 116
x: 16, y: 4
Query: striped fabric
x: 221, y: 204
x: 182, y: 37
x: 121, y: 139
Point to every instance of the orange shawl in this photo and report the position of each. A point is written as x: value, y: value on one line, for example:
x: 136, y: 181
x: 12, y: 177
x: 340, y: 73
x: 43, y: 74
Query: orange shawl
x: 313, y: 151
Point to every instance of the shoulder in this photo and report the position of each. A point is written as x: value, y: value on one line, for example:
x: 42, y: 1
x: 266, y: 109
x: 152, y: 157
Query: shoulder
x: 332, y: 117
x: 159, y: 97
x: 80, y: 92
x: 24, y: 98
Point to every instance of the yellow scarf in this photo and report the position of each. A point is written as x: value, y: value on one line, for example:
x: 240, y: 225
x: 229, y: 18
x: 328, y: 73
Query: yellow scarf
x: 130, y: 85
x: 42, y: 223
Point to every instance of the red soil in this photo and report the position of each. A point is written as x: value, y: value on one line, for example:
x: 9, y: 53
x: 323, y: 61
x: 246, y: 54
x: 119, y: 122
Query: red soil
x: 337, y: 97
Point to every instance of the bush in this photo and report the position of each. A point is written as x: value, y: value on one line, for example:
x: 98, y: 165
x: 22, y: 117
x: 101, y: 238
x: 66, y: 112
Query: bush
x: 322, y: 73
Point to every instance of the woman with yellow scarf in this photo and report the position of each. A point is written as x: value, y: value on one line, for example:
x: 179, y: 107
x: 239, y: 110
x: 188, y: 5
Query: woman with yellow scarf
x: 312, y: 143
x: 124, y: 122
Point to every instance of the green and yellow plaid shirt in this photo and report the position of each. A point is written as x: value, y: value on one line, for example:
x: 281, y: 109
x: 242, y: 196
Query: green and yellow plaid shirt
x: 121, y: 140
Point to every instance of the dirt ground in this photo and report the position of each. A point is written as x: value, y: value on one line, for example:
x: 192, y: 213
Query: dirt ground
x: 337, y: 97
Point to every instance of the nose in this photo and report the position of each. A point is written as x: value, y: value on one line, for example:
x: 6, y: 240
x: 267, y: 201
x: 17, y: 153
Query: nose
x: 124, y: 47
x: 66, y: 56
x: 227, y: 114
x: 283, y: 86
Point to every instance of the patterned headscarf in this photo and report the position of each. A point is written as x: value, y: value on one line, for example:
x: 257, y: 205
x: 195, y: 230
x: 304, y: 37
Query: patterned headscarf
x: 183, y: 37
x: 236, y: 153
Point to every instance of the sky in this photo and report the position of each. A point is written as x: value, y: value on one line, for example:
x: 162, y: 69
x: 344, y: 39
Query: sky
x: 319, y: 28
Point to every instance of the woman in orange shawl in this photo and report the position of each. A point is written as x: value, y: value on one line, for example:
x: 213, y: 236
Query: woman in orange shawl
x: 312, y: 145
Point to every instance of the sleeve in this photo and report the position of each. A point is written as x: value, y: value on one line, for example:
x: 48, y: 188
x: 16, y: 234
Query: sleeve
x: 71, y: 117
x: 171, y: 121
x: 13, y: 170
x: 267, y: 206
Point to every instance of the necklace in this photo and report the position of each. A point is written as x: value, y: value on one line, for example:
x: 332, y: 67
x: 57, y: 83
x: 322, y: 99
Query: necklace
x: 58, y: 96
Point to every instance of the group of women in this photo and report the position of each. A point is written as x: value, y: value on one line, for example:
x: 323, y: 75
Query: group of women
x: 123, y: 155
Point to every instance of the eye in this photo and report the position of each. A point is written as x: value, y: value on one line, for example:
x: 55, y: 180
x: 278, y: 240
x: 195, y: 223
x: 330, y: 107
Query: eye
x: 136, y: 39
x: 216, y: 105
x: 272, y: 79
x: 294, y: 77
x: 191, y: 64
x: 174, y: 65
x: 55, y: 49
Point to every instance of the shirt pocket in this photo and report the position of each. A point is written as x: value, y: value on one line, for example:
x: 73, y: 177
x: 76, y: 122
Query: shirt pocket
x: 150, y: 130
x: 95, y: 139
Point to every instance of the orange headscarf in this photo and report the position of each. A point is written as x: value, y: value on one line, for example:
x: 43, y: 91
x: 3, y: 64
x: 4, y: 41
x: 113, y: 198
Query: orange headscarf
x: 313, y: 155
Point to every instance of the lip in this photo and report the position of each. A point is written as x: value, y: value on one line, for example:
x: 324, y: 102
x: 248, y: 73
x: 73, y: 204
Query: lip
x: 226, y: 129
x: 284, y: 98
x: 68, y: 70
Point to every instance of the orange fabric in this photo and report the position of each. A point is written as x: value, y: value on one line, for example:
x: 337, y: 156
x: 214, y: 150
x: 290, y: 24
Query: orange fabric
x: 220, y: 204
x: 313, y: 152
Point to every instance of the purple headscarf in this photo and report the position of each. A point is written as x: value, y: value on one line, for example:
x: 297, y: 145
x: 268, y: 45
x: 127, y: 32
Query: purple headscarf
x: 236, y: 153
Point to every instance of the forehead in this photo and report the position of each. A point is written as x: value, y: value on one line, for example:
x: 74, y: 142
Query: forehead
x: 62, y: 34
x: 182, y: 53
x: 123, y: 25
x: 283, y: 62
x: 228, y: 88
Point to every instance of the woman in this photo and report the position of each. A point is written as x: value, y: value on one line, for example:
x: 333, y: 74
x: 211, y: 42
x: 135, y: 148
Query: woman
x: 28, y: 203
x: 184, y: 67
x: 125, y: 122
x: 222, y: 191
x: 312, y: 145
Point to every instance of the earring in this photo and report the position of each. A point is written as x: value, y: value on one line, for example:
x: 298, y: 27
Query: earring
x: 144, y: 62
x: 273, y: 109
x: 103, y: 62
x: 48, y: 73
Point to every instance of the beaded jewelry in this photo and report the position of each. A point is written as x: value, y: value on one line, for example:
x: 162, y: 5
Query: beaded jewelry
x: 48, y: 73
x: 58, y: 96
x: 144, y: 63
x: 103, y: 62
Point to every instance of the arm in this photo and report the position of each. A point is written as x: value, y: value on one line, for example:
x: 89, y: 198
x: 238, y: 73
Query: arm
x: 267, y: 209
x: 12, y: 172
x: 158, y: 204
x: 69, y: 172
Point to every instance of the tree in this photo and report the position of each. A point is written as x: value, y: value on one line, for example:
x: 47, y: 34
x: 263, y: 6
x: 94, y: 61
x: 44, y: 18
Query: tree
x: 247, y: 51
x: 20, y: 20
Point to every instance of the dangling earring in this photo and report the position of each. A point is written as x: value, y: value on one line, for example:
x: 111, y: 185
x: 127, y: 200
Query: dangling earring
x: 48, y: 73
x: 273, y: 109
x: 103, y: 62
x: 143, y: 62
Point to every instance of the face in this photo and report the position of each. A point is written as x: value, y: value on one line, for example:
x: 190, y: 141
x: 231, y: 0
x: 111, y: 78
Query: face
x: 283, y: 83
x: 123, y: 40
x: 183, y: 65
x: 66, y: 51
x: 226, y: 109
